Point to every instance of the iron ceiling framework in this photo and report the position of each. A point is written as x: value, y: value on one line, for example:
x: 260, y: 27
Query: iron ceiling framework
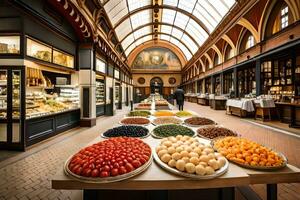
x: 185, y: 23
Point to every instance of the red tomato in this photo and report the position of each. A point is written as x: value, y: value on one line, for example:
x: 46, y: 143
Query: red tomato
x: 122, y: 170
x: 95, y: 173
x: 78, y: 171
x: 129, y: 167
x: 106, y: 168
x: 114, y: 172
x: 104, y: 174
x: 86, y: 172
x: 136, y: 163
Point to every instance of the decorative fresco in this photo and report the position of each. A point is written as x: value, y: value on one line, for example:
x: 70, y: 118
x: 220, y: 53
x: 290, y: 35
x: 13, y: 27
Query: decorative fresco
x: 157, y: 58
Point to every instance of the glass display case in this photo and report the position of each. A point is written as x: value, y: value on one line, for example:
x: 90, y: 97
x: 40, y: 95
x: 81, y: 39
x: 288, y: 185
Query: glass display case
x: 63, y: 59
x: 38, y: 50
x: 100, y: 90
x: 117, y: 93
x: 3, y: 94
x: 10, y: 44
x: 246, y: 81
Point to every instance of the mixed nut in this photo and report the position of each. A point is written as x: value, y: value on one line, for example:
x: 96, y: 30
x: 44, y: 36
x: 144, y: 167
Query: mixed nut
x: 166, y: 120
x: 212, y: 132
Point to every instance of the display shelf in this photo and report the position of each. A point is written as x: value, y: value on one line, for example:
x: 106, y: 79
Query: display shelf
x: 100, y: 91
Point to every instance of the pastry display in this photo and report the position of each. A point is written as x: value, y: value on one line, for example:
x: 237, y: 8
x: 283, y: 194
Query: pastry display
x: 198, y: 121
x: 135, y: 121
x: 161, y: 103
x: 171, y: 130
x: 212, y: 132
x: 128, y: 131
x: 189, y: 157
x: 100, y: 94
x: 166, y: 120
x: 139, y: 113
x: 248, y: 153
x: 103, y: 161
x: 163, y: 113
x: 183, y: 114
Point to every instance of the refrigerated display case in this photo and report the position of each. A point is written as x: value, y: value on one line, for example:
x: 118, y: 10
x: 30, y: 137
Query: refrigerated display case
x: 100, y: 95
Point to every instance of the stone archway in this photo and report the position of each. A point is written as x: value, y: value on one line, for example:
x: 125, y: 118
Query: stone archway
x: 156, y: 85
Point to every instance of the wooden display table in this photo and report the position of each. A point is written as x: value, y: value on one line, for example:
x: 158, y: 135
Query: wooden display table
x: 241, y: 108
x: 218, y: 104
x: 204, y: 101
x: 156, y: 183
x: 289, y: 113
x: 193, y: 99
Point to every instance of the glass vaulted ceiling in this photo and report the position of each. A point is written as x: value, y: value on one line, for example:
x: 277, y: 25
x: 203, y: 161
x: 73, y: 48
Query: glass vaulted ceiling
x: 184, y: 23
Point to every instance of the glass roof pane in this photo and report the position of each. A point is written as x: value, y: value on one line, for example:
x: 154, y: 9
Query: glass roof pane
x: 140, y: 18
x: 187, y: 5
x: 202, y: 14
x: 196, y: 31
x: 129, y: 49
x: 222, y: 8
x: 184, y: 50
x: 168, y: 16
x: 123, y: 29
x: 127, y: 41
x: 212, y: 11
x: 177, y: 33
x: 143, y: 39
x: 170, y: 2
x: 116, y: 10
x: 166, y: 29
x: 165, y: 37
x: 142, y: 31
x: 134, y: 4
x: 181, y: 20
x: 189, y: 42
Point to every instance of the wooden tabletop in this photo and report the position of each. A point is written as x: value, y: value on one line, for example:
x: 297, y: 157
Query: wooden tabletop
x: 156, y: 178
x: 288, y: 104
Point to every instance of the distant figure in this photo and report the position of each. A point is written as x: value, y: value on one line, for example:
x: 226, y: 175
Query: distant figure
x: 179, y: 96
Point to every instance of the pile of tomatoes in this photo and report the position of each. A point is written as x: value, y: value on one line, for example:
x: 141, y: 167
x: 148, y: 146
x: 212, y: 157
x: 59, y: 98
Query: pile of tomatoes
x: 111, y: 157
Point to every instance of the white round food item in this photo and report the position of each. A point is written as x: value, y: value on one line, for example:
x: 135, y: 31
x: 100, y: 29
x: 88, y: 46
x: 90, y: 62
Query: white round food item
x: 179, y: 149
x: 178, y: 137
x: 200, y: 170
x: 203, y: 158
x: 161, y: 153
x: 211, y: 156
x: 221, y: 161
x: 209, y: 170
x: 176, y: 156
x: 218, y: 155
x: 190, y: 168
x: 204, y: 153
x: 163, y: 140
x: 172, y: 139
x: 166, y: 158
x: 185, y: 159
x: 180, y: 165
x: 193, y: 154
x: 194, y: 160
x: 172, y: 163
x: 204, y: 164
x: 167, y: 143
x: 188, y: 149
x: 157, y: 149
x: 213, y: 163
x: 208, y: 150
x: 198, y: 150
x: 171, y: 150
x: 184, y: 154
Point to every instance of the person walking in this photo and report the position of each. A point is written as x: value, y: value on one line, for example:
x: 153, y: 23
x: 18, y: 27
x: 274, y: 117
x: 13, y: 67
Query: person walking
x: 179, y: 96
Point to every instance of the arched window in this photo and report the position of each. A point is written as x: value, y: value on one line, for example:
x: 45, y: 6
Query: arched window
x: 250, y: 42
x: 247, y: 41
x: 279, y: 19
x: 228, y: 52
x: 216, y: 59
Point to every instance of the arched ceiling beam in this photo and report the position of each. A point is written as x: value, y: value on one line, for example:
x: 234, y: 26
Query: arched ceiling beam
x: 229, y: 41
x: 159, y: 33
x: 217, y: 50
x: 161, y: 23
x: 245, y: 23
x: 210, y: 65
x: 163, y: 7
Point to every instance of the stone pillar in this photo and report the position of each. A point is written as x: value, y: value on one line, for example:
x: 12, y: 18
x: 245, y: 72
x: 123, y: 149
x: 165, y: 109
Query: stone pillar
x: 235, y: 82
x: 221, y: 83
x: 87, y: 84
x: 212, y: 85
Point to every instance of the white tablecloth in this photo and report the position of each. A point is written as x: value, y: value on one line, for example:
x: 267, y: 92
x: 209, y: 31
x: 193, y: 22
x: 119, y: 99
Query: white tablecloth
x: 244, y: 104
x: 265, y: 103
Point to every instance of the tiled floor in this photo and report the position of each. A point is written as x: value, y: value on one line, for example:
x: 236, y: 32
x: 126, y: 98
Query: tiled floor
x: 27, y: 175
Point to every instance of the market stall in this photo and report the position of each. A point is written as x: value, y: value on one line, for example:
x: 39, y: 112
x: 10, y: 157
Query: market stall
x: 203, y: 99
x: 265, y: 107
x: 240, y: 107
x: 217, y: 102
x: 289, y: 113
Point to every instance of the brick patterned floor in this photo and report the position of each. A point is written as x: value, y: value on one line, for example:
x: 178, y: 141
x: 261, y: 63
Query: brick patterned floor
x: 28, y: 175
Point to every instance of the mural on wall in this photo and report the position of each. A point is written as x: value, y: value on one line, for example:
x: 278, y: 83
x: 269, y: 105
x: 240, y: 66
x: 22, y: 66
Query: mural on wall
x: 157, y: 58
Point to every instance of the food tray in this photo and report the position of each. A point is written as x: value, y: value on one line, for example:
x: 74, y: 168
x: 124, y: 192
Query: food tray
x: 199, y: 126
x: 103, y: 136
x: 166, y: 117
x: 165, y: 166
x: 221, y: 126
x: 108, y: 179
x: 159, y: 137
x: 120, y: 122
x: 256, y: 167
